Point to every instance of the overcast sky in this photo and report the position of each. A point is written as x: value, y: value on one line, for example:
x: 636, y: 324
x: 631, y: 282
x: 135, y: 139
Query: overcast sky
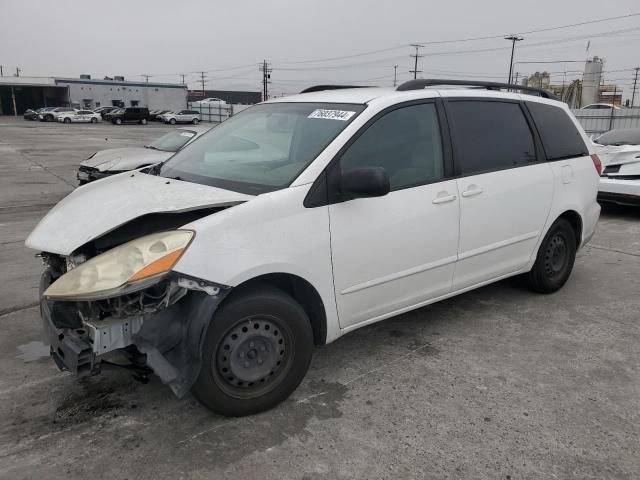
x: 164, y: 38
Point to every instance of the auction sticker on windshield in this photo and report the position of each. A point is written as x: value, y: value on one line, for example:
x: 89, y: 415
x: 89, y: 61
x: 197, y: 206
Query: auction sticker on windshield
x: 343, y: 115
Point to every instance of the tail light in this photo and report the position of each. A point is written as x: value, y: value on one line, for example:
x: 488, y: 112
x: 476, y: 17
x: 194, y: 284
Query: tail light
x: 597, y: 163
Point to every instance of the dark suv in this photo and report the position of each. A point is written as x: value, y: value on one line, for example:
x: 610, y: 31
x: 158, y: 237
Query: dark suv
x: 131, y: 115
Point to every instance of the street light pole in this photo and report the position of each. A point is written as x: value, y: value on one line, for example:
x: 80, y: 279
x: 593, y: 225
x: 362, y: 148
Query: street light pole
x: 514, y: 39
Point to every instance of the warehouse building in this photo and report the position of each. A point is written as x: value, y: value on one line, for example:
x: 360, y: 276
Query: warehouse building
x: 20, y: 93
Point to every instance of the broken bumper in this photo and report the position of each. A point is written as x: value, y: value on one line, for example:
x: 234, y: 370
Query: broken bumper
x: 170, y: 339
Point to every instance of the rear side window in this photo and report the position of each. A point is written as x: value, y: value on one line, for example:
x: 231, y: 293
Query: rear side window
x: 559, y: 135
x: 490, y: 136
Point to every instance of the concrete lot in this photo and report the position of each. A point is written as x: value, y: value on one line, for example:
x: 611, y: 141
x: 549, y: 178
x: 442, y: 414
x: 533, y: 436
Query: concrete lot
x: 496, y: 383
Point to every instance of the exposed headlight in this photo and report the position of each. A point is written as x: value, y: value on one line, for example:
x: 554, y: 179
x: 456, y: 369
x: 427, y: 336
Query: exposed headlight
x: 127, y: 268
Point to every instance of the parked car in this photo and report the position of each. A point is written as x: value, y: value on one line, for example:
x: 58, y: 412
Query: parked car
x: 30, y: 114
x: 157, y: 116
x: 105, y: 110
x: 600, y: 106
x: 182, y: 116
x: 163, y: 116
x: 51, y: 114
x: 130, y: 115
x: 209, y: 102
x: 117, y: 160
x: 302, y: 219
x: 619, y: 151
x: 80, y: 116
x: 107, y: 116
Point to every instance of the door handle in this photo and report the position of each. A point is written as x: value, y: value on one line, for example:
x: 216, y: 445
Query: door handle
x: 472, y: 191
x: 444, y: 199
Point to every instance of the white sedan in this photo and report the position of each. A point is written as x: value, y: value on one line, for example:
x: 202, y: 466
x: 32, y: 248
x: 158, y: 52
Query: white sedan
x: 79, y: 116
x: 619, y: 152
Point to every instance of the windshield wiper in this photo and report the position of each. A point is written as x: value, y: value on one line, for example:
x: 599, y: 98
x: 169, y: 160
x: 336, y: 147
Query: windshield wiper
x: 151, y: 147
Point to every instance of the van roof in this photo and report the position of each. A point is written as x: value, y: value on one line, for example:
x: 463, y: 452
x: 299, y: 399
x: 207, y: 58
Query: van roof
x: 367, y: 94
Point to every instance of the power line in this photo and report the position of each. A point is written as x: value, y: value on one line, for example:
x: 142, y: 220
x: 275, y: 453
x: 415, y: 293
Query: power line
x: 635, y: 83
x: 202, y: 82
x: 415, y: 57
x: 266, y: 69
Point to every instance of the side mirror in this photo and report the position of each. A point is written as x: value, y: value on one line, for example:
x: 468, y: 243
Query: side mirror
x: 365, y: 182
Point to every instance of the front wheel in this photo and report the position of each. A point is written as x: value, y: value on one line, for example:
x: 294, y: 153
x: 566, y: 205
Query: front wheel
x: 555, y: 259
x: 67, y: 120
x: 256, y: 352
x: 143, y: 121
x: 172, y: 121
x: 94, y: 120
x: 117, y: 121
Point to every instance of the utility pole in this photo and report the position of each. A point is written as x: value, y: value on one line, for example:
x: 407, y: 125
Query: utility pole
x: 146, y: 77
x: 514, y: 39
x: 202, y: 82
x: 182, y: 75
x: 415, y: 57
x: 1, y: 74
x: 635, y: 83
x: 395, y: 75
x: 18, y: 72
x: 266, y: 70
x: 516, y: 80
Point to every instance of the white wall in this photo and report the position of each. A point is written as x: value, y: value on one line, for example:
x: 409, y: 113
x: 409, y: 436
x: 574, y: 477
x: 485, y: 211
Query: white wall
x: 153, y: 96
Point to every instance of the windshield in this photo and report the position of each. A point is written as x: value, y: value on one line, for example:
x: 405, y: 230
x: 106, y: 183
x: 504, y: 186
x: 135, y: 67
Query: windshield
x: 173, y: 141
x: 262, y: 149
x: 621, y: 136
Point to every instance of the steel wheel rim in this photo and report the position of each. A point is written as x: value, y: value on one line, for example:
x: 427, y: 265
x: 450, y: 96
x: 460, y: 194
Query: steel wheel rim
x: 252, y: 357
x: 556, y: 256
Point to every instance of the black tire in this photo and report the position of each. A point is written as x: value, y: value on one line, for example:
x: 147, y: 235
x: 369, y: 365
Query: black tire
x: 49, y: 118
x: 94, y: 120
x: 143, y: 121
x: 256, y: 352
x: 172, y: 121
x: 555, y: 259
x: 67, y: 120
x: 117, y: 121
x: 195, y: 121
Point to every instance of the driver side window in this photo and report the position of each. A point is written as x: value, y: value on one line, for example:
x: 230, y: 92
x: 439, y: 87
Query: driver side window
x: 406, y: 142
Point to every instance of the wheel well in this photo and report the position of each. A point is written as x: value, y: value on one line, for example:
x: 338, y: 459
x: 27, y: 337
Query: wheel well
x: 575, y: 220
x: 303, y: 292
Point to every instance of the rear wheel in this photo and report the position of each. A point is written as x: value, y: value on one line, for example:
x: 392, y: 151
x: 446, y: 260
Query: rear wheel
x: 195, y: 121
x: 555, y: 259
x: 143, y: 121
x: 118, y: 121
x: 94, y: 120
x: 172, y: 121
x: 67, y: 120
x: 257, y: 350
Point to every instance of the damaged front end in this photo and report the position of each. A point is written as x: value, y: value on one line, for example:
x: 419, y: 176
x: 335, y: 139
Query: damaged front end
x: 158, y: 325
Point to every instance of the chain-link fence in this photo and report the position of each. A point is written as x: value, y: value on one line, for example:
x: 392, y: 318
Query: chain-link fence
x: 216, y: 112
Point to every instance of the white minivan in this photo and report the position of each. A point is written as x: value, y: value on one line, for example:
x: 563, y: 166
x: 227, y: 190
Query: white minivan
x: 304, y: 218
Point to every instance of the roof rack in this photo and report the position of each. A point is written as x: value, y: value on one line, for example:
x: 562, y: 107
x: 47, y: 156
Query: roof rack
x: 419, y: 84
x: 320, y: 88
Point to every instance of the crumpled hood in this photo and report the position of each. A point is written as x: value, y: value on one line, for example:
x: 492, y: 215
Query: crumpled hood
x: 618, y: 154
x: 125, y: 158
x: 92, y: 210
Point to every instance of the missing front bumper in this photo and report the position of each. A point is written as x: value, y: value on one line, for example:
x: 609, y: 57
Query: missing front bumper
x: 170, y: 338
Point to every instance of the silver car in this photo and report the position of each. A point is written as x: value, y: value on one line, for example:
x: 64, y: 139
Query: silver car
x: 117, y: 160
